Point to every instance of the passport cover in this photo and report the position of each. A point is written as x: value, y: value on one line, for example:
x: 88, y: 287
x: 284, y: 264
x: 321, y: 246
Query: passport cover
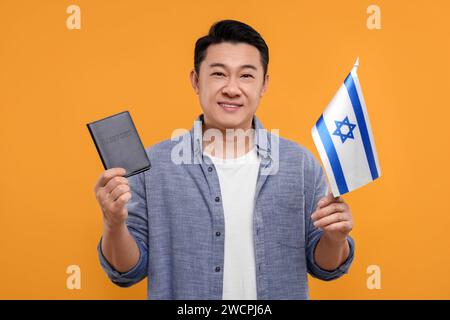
x: 118, y: 143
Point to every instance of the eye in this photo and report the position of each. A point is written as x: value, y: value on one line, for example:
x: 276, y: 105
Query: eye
x: 217, y: 74
x: 247, y: 76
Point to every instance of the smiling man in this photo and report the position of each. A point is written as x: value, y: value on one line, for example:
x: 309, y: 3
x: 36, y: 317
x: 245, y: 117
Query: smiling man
x: 245, y: 215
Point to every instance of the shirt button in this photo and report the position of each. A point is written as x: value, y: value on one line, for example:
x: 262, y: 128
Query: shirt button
x: 217, y: 199
x: 217, y: 269
x: 210, y: 169
x: 218, y: 233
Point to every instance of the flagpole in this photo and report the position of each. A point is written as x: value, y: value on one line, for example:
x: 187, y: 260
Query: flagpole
x: 356, y: 65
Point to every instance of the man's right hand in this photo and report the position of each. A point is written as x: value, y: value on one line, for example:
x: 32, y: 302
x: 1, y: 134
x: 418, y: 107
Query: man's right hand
x: 113, y: 192
x: 118, y: 246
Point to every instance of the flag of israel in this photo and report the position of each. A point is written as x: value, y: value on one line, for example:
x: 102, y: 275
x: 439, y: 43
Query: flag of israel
x: 343, y: 137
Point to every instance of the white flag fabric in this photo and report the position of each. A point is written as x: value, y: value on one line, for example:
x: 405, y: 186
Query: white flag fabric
x: 344, y: 139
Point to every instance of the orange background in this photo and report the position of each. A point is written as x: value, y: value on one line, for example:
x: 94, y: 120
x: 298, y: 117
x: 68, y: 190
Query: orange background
x: 136, y: 56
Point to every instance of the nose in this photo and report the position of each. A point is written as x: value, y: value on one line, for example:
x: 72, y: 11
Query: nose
x: 231, y: 88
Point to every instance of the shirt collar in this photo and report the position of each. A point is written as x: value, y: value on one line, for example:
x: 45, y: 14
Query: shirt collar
x: 261, y: 138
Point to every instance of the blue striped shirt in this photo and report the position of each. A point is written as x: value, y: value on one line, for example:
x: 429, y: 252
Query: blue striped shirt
x: 176, y: 217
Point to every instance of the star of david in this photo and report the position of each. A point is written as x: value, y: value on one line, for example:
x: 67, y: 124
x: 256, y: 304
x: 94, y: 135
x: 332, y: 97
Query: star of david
x: 340, y: 129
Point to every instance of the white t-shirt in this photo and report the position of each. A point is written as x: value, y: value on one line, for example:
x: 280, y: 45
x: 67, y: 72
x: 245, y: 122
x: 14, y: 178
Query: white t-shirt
x: 237, y: 178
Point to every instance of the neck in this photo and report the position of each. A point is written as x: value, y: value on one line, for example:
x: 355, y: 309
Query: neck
x: 227, y: 143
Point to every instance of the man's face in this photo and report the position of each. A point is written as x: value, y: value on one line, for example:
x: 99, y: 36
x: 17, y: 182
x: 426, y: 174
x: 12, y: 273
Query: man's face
x: 230, y: 84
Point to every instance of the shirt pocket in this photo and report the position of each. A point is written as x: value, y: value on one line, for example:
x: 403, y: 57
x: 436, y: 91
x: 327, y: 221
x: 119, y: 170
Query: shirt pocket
x: 289, y: 222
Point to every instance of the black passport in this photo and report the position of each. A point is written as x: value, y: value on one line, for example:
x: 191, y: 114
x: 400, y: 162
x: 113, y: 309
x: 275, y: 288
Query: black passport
x: 118, y: 144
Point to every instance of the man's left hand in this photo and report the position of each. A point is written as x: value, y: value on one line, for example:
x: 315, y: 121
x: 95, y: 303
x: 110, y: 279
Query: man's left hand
x: 333, y: 216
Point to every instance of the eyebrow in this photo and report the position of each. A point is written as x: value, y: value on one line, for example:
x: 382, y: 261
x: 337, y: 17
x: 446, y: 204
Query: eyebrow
x: 250, y: 66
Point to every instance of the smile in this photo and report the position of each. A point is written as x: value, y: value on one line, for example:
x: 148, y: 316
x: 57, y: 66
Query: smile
x: 228, y: 106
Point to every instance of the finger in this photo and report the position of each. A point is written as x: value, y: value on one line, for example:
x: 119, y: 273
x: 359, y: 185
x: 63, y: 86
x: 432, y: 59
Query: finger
x: 329, y: 198
x: 108, y: 175
x: 333, y: 218
x: 122, y: 200
x: 101, y: 196
x: 114, y: 182
x: 330, y: 209
x: 343, y: 226
x: 118, y: 191
x: 325, y: 200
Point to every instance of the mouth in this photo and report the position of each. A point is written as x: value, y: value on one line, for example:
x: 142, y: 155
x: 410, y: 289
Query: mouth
x: 229, y: 106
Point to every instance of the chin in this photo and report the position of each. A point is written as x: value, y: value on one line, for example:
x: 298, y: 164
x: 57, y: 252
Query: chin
x: 231, y: 122
x: 224, y: 120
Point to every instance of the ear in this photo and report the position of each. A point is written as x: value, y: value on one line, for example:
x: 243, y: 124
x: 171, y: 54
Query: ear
x: 194, y: 80
x: 265, y: 85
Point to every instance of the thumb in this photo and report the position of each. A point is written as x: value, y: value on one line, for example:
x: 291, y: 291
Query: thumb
x: 329, y: 198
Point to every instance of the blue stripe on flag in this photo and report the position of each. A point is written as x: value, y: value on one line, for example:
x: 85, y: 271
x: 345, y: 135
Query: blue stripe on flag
x: 351, y: 89
x: 332, y: 155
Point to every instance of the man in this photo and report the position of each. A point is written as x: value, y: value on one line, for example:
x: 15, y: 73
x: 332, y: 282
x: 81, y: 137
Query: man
x: 236, y: 218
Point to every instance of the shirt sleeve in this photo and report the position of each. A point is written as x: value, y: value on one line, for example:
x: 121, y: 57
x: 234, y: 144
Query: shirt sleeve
x: 314, y: 234
x: 138, y: 228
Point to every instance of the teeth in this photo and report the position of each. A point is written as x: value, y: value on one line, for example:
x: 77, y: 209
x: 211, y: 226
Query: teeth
x: 229, y: 105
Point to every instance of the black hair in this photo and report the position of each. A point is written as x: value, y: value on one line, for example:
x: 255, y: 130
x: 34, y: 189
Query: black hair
x: 230, y: 31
